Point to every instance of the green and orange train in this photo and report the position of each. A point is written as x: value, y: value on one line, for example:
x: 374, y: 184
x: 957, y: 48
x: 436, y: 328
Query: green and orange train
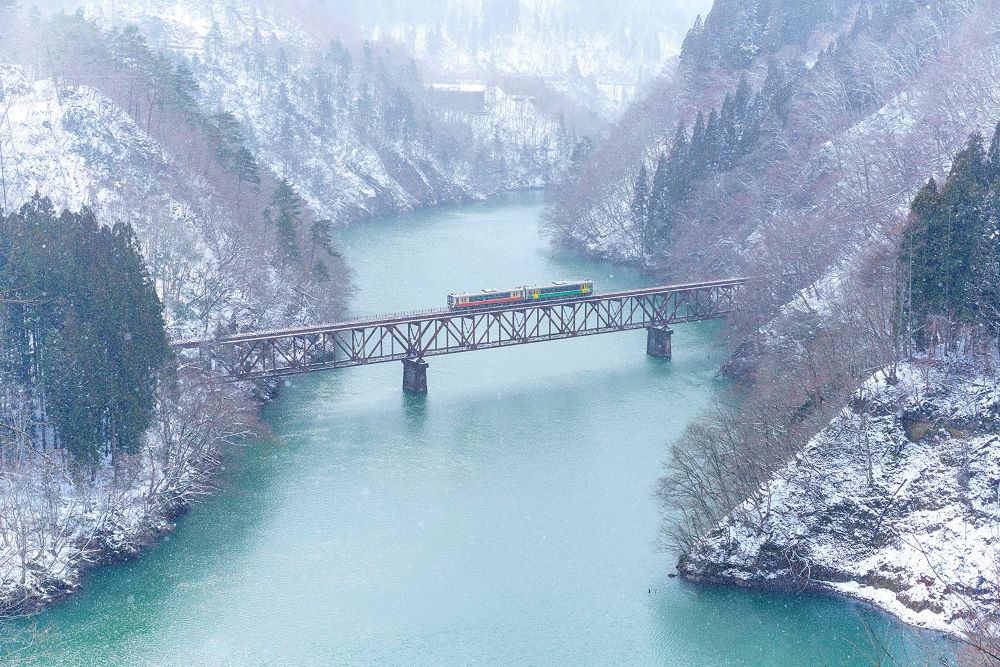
x: 491, y: 297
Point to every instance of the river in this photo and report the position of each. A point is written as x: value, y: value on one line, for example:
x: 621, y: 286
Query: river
x: 506, y: 518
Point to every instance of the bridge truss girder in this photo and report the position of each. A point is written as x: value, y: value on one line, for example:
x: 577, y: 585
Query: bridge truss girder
x: 276, y: 354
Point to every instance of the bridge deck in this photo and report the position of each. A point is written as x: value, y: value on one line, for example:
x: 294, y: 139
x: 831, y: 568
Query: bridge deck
x: 416, y: 335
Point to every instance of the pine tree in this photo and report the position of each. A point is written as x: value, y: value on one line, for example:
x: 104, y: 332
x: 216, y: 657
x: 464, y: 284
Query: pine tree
x: 135, y: 339
x: 918, y: 271
x: 83, y: 330
x: 993, y: 158
x: 679, y: 177
x: 660, y: 215
x: 287, y: 213
x: 244, y: 165
x: 640, y: 210
x: 692, y: 48
x: 963, y: 223
x: 72, y: 364
x: 949, y: 252
x: 986, y: 288
x: 185, y: 89
x: 714, y: 147
x: 319, y: 236
x: 698, y: 155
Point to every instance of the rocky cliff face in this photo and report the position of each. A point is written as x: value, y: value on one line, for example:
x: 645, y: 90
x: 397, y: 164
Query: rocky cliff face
x: 896, y: 502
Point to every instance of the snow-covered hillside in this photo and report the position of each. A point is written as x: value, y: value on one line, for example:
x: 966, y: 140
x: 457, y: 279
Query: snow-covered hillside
x: 835, y: 164
x: 76, y: 147
x: 194, y: 149
x: 617, y: 47
x: 349, y: 127
x: 895, y: 502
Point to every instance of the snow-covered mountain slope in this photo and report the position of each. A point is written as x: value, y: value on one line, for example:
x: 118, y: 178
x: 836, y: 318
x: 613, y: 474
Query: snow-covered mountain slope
x: 895, y: 502
x: 350, y: 127
x: 617, y: 47
x: 855, y: 136
x: 76, y: 147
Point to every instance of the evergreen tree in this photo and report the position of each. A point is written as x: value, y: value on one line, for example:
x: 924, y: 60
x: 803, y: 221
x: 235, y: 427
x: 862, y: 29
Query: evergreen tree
x: 960, y: 228
x: 698, y: 156
x: 679, y: 177
x: 82, y: 329
x: 950, y: 264
x: 287, y: 214
x: 135, y: 339
x: 993, y: 159
x: 245, y: 166
x: 919, y: 282
x: 319, y: 236
x: 231, y: 152
x: 185, y: 89
x: 74, y: 387
x: 640, y: 209
x: 660, y: 215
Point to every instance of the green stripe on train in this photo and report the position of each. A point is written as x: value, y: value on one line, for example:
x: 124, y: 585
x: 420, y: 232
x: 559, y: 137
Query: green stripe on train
x: 555, y: 294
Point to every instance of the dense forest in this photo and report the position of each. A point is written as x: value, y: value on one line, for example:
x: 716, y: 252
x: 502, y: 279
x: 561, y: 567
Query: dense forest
x: 949, y: 284
x: 81, y: 330
x: 765, y: 182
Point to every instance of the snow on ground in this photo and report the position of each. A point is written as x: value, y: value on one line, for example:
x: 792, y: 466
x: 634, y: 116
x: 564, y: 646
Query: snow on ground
x: 342, y: 168
x: 79, y: 149
x: 896, y: 502
x: 76, y: 147
x: 58, y: 519
x: 36, y: 153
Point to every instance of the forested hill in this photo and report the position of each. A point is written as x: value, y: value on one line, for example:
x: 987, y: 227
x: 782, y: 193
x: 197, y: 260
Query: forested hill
x: 893, y: 500
x: 136, y: 146
x: 349, y: 122
x: 791, y: 134
x: 234, y: 138
x: 737, y: 34
x: 849, y: 151
x: 195, y: 155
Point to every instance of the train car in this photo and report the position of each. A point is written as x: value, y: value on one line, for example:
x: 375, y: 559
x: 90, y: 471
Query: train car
x: 560, y: 290
x: 486, y: 297
x: 492, y: 297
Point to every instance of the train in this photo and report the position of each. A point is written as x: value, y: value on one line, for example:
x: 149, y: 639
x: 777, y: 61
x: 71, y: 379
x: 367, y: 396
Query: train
x: 563, y: 289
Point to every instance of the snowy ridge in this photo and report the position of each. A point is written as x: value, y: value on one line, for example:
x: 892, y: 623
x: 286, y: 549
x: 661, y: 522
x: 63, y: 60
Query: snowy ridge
x: 77, y: 148
x: 344, y: 169
x: 38, y: 154
x: 853, y: 184
x: 894, y: 503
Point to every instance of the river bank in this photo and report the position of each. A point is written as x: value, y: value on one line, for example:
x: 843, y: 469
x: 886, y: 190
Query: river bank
x: 61, y: 520
x: 894, y: 503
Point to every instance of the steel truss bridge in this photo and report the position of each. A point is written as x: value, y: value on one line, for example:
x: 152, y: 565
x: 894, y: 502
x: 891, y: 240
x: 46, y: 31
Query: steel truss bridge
x: 411, y: 338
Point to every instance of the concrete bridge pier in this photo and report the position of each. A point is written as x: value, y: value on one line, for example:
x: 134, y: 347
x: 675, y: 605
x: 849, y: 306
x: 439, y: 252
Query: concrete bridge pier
x: 415, y: 376
x: 658, y: 343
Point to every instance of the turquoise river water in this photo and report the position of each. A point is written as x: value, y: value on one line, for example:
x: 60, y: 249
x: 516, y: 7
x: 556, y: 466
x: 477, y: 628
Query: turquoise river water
x: 508, y: 518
